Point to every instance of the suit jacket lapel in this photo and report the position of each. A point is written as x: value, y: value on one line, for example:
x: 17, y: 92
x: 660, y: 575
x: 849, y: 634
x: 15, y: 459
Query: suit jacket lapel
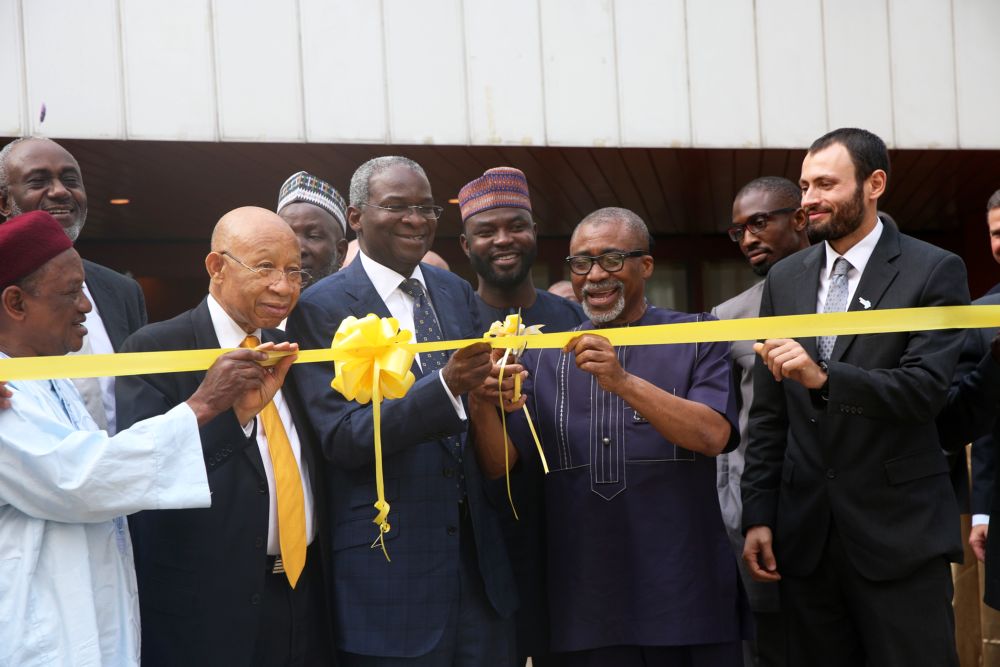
x: 805, y: 298
x: 879, y: 274
x: 365, y: 299
x: 205, y: 338
x: 111, y: 309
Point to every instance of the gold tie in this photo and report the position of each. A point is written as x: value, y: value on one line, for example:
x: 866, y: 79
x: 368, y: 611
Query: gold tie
x: 288, y: 485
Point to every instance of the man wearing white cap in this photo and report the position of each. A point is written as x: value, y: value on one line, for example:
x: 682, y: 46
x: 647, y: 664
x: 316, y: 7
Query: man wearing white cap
x: 318, y: 215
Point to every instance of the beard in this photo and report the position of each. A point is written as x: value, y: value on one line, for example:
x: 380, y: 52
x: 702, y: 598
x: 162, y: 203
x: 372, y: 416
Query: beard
x: 762, y: 269
x: 616, y: 309
x: 484, y: 269
x: 73, y: 232
x: 842, y: 221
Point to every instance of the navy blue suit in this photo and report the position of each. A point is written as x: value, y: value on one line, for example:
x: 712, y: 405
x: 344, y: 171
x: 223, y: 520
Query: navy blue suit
x: 398, y: 608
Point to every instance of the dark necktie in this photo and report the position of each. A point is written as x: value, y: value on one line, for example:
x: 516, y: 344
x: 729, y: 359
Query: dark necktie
x: 428, y: 329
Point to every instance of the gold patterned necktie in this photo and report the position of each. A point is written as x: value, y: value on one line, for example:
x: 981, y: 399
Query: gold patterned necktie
x: 288, y: 486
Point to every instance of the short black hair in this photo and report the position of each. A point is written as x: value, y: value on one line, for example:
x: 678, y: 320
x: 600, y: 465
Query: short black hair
x: 786, y: 192
x: 868, y: 152
x: 994, y: 201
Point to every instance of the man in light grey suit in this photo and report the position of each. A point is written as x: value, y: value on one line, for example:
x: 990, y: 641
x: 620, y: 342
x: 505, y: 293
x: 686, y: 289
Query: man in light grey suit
x: 768, y: 225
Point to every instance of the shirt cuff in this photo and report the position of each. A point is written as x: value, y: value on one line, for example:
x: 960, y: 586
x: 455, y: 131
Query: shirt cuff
x: 980, y: 519
x: 456, y: 403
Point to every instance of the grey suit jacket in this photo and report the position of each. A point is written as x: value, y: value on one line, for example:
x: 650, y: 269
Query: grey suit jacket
x: 729, y: 467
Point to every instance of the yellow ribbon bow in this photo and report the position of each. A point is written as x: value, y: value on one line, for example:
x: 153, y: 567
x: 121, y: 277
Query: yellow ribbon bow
x: 512, y: 326
x: 370, y: 364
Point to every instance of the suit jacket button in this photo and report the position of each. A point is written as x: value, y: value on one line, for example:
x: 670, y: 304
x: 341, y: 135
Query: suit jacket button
x: 812, y: 420
x: 259, y: 542
x: 452, y: 530
x: 262, y: 487
x: 606, y: 441
x: 255, y: 598
x: 831, y: 473
x: 448, y: 472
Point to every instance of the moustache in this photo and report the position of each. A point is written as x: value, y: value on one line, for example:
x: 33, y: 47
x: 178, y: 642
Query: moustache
x: 606, y: 284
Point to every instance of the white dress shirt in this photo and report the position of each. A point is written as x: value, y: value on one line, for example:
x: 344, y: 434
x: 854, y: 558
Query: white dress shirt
x: 400, y: 305
x: 68, y: 592
x: 231, y: 335
x: 97, y: 341
x: 858, y: 256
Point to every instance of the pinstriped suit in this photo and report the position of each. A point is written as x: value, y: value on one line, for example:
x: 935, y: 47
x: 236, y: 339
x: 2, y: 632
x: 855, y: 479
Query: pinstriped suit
x: 398, y: 609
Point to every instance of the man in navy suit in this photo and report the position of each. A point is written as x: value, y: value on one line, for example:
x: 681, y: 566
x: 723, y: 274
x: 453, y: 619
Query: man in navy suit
x: 224, y: 585
x: 39, y: 174
x: 447, y: 596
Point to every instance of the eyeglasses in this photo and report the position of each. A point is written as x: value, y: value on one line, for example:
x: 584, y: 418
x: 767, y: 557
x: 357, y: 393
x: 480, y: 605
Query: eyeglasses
x: 612, y: 262
x: 271, y: 274
x: 756, y: 223
x: 428, y: 212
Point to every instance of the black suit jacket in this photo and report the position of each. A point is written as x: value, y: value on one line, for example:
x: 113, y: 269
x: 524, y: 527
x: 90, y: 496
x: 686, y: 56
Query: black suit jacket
x: 971, y: 415
x: 399, y: 608
x: 118, y: 299
x: 201, y: 571
x: 868, y: 459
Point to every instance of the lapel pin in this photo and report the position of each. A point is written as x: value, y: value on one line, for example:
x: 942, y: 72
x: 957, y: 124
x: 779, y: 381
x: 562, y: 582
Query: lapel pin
x: 865, y: 302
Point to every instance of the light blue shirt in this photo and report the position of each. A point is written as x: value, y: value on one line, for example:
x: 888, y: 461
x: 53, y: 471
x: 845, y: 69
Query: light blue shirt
x: 67, y: 581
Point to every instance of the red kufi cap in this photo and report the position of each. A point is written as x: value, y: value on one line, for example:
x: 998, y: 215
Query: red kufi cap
x: 27, y: 242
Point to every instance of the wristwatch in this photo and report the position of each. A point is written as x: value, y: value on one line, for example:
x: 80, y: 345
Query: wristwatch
x: 824, y: 391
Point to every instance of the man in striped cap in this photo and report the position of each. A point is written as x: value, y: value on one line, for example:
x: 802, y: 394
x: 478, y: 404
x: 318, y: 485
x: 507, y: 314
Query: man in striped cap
x: 318, y: 215
x: 499, y: 236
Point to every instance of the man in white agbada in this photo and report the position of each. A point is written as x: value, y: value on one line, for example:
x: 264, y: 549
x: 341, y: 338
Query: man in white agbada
x: 67, y: 582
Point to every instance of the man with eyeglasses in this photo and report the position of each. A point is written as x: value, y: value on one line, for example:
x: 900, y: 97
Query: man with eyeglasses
x: 640, y: 570
x: 447, y: 596
x: 241, y: 583
x: 768, y: 225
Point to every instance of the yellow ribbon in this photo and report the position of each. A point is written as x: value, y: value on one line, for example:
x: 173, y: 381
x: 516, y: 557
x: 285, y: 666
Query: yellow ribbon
x: 785, y: 326
x: 372, y: 357
x: 513, y: 327
x: 371, y: 362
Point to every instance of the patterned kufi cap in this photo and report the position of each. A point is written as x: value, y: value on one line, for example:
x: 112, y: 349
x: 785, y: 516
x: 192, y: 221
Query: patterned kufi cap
x: 304, y: 187
x: 500, y: 187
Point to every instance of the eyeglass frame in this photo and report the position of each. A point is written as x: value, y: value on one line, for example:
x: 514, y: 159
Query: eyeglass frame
x: 263, y: 271
x: 758, y: 220
x: 596, y: 259
x: 413, y: 208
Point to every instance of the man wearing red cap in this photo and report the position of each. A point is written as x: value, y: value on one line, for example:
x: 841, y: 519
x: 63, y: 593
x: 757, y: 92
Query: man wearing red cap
x: 67, y: 585
x: 37, y: 174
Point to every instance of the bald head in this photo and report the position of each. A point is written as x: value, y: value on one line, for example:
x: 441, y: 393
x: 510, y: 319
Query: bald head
x: 255, y: 267
x: 250, y: 224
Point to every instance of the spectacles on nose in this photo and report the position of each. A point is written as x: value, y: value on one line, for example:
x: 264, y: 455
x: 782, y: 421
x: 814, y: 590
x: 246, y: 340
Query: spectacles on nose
x: 756, y: 223
x: 612, y: 262
x: 427, y: 212
x: 270, y: 274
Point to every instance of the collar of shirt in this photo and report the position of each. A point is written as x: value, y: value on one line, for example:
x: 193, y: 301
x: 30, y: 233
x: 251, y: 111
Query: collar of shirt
x: 227, y: 331
x: 400, y: 305
x: 859, y: 253
x: 858, y: 256
x: 386, y: 280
